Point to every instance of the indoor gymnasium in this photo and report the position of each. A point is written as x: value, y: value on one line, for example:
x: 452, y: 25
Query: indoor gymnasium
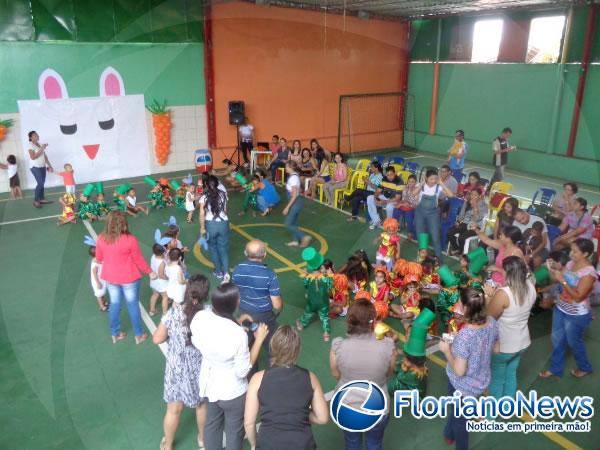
x: 285, y: 224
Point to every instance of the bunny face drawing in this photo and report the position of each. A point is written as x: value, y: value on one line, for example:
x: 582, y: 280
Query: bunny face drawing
x: 103, y: 137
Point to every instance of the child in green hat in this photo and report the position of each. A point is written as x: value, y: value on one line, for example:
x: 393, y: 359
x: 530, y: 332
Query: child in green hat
x: 318, y: 284
x: 101, y: 208
x: 87, y: 210
x: 411, y: 372
x: 423, y: 240
x: 448, y: 294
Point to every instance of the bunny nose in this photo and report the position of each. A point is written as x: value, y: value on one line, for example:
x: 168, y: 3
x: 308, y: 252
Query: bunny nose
x: 91, y: 150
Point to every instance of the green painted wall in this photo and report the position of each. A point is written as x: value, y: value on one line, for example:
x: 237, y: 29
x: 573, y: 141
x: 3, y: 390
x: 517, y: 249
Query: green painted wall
x: 484, y: 98
x: 163, y: 71
x: 101, y: 20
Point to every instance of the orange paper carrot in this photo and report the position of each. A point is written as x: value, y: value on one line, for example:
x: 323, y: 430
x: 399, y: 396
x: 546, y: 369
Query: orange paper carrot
x: 161, y: 122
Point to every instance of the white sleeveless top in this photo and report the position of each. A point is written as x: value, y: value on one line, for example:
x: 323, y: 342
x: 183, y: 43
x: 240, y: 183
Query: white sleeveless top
x: 512, y: 324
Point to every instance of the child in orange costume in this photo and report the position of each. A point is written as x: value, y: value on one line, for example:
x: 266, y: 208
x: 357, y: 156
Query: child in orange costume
x: 380, y: 293
x: 341, y: 296
x: 397, y: 277
x: 389, y: 247
x: 431, y: 279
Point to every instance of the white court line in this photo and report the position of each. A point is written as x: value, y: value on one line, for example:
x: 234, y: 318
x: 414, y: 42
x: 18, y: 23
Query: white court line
x: 29, y: 220
x: 145, y: 316
x: 12, y: 222
x: 415, y: 157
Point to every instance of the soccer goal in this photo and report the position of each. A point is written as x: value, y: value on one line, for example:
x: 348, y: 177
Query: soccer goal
x: 374, y: 121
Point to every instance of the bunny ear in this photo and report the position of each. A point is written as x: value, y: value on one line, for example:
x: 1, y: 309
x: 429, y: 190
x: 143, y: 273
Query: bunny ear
x: 51, y: 86
x: 172, y: 221
x: 157, y: 236
x: 164, y: 241
x: 88, y: 240
x: 111, y: 83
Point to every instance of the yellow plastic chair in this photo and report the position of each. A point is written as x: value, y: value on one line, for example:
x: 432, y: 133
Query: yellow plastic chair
x: 494, y: 208
x: 404, y: 174
x: 500, y: 186
x: 320, y: 185
x: 355, y: 181
x: 398, y: 168
x: 363, y: 164
x: 281, y: 170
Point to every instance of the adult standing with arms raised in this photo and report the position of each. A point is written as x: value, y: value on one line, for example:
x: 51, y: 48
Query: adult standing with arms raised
x: 501, y: 147
x: 294, y: 206
x: 39, y: 164
x: 572, y: 313
x: 427, y: 214
x: 122, y: 266
x: 214, y: 224
x: 361, y: 356
x: 260, y: 297
x: 510, y: 306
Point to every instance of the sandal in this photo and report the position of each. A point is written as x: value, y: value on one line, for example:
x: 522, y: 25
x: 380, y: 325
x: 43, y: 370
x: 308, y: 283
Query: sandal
x: 142, y: 338
x: 103, y: 308
x: 579, y: 373
x: 299, y: 326
x: 163, y: 443
x: 326, y: 337
x: 119, y: 337
x: 546, y: 374
x: 200, y: 443
x: 152, y: 312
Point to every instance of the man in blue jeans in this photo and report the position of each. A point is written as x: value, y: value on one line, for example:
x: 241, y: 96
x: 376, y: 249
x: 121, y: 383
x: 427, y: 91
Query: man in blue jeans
x: 259, y: 288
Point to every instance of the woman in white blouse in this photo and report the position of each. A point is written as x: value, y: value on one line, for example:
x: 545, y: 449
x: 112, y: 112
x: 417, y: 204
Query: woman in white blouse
x: 226, y: 361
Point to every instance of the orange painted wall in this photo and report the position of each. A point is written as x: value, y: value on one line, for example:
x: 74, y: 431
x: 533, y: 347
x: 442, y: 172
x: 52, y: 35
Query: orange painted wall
x: 290, y: 66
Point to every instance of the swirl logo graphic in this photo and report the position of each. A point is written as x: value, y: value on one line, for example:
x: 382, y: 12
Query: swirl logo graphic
x: 372, y: 409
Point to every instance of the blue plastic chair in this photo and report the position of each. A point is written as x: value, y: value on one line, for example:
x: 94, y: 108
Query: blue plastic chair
x: 412, y: 167
x: 553, y: 232
x: 450, y: 220
x: 379, y: 158
x: 395, y: 160
x: 540, y: 206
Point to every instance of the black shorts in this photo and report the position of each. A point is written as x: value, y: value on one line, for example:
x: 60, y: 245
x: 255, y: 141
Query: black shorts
x: 14, y: 181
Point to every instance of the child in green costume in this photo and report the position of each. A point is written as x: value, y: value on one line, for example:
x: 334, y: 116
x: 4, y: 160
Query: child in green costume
x: 448, y: 294
x: 318, y: 284
x: 86, y: 210
x: 411, y: 372
x: 101, y: 208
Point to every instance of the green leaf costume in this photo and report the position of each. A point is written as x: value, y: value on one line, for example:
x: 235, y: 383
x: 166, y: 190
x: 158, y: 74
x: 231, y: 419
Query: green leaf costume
x: 317, y: 293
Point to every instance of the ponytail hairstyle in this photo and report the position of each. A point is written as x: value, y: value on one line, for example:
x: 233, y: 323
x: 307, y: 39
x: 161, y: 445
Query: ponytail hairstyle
x: 225, y: 300
x: 195, y: 295
x: 215, y: 197
x: 473, y: 303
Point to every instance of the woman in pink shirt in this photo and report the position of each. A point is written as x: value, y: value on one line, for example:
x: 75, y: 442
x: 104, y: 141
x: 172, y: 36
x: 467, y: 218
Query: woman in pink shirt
x: 122, y: 266
x: 506, y: 244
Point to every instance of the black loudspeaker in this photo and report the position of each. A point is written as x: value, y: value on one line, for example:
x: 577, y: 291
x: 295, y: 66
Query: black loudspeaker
x: 236, y: 112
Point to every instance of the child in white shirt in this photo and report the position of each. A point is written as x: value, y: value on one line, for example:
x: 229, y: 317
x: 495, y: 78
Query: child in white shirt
x: 132, y: 207
x: 158, y: 286
x: 190, y: 207
x: 13, y: 177
x: 173, y: 273
x: 98, y: 284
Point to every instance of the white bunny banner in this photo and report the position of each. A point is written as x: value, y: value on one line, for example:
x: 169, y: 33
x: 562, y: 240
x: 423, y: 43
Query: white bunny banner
x: 103, y: 137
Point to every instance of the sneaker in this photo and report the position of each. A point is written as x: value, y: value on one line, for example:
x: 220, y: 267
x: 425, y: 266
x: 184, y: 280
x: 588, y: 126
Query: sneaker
x: 351, y: 219
x: 226, y: 278
x: 373, y: 225
x: 293, y: 244
x: 305, y: 241
x: 218, y: 275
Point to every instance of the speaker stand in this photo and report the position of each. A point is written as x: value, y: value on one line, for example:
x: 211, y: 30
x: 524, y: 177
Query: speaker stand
x: 238, y: 148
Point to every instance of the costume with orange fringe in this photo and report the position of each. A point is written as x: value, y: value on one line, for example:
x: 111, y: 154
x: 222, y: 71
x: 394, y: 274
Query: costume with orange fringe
x: 455, y: 324
x: 68, y: 211
x: 380, y: 295
x: 410, y: 300
x: 397, y: 276
x: 341, y: 294
x: 388, y: 247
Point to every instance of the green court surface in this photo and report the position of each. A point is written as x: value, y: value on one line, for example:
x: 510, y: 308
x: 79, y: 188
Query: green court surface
x: 65, y: 386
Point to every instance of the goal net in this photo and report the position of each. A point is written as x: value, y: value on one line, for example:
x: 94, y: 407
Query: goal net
x: 376, y: 121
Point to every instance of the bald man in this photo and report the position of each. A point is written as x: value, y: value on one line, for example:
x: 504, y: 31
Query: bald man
x: 259, y: 287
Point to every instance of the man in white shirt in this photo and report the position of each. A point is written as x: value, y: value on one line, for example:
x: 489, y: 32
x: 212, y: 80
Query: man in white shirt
x: 246, y: 131
x: 524, y: 221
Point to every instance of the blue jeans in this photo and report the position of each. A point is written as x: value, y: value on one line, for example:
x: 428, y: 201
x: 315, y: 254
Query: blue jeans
x: 129, y: 292
x: 458, y: 174
x: 408, y: 217
x: 456, y: 427
x: 504, y: 374
x: 374, y: 214
x: 374, y: 437
x: 39, y: 173
x: 568, y: 330
x: 427, y: 220
x: 218, y: 244
x: 291, y: 220
x: 262, y: 203
x: 274, y: 166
